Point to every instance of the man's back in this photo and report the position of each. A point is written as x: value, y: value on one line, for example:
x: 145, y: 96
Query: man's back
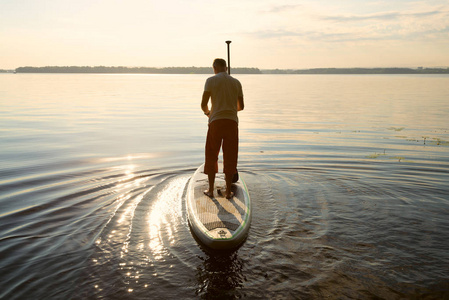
x: 225, y: 91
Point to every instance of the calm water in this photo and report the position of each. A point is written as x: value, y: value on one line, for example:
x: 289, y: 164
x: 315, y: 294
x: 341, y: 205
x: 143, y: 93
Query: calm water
x: 348, y: 176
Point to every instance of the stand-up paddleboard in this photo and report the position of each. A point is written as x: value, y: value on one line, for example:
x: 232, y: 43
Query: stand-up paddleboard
x: 219, y: 223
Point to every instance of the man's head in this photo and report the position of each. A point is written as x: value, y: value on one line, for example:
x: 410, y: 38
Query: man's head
x: 219, y: 65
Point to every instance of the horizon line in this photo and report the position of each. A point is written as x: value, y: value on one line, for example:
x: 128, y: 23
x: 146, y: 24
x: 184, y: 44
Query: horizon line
x: 202, y: 67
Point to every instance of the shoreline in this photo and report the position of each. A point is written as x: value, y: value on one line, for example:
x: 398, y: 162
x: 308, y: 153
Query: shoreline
x: 208, y: 70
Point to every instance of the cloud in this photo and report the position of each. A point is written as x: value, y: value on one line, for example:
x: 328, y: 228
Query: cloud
x: 282, y: 8
x: 426, y: 24
x: 279, y: 33
x: 328, y: 36
x: 354, y: 35
x: 395, y: 15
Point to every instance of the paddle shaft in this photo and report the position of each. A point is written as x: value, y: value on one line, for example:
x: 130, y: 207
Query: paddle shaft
x: 236, y: 175
x: 229, y: 57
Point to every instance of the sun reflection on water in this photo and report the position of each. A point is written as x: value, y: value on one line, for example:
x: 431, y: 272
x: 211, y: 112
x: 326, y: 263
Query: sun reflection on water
x: 164, y: 217
x: 128, y: 202
x: 143, y: 228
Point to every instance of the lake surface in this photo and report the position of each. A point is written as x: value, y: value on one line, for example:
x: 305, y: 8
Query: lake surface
x: 348, y: 175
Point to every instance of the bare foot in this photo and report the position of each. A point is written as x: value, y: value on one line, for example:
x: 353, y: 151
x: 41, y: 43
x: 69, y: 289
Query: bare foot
x: 209, y: 194
x: 230, y: 195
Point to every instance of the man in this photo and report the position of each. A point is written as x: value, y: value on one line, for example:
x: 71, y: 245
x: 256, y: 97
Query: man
x: 226, y: 96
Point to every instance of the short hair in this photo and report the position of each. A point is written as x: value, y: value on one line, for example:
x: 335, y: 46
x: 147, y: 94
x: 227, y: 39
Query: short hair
x: 219, y: 62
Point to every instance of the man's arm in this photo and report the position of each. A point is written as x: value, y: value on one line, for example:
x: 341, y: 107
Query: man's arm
x: 240, y: 104
x: 204, y: 102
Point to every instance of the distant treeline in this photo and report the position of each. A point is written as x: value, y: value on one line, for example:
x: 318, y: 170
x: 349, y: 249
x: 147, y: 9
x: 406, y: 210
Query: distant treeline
x: 208, y: 70
x: 361, y: 71
x: 130, y: 70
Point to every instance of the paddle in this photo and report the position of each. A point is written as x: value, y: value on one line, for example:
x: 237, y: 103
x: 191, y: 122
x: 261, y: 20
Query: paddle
x: 229, y: 58
x: 236, y: 175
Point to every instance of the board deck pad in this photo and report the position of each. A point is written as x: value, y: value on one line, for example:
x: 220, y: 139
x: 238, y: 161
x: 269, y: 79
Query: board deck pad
x: 218, y: 218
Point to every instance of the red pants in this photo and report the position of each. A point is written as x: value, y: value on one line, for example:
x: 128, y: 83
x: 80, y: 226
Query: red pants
x: 227, y: 132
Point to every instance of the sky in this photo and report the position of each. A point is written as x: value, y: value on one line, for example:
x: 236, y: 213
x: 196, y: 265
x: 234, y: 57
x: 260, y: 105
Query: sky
x: 265, y: 34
